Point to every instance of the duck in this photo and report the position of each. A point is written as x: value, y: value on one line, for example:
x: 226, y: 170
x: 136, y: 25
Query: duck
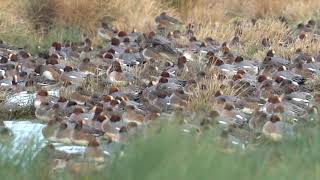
x: 115, y: 73
x: 86, y: 52
x: 94, y: 151
x: 246, y: 65
x: 11, y: 71
x: 41, y: 97
x: 131, y: 57
x: 51, y: 129
x: 87, y: 67
x: 51, y: 73
x: 287, y: 74
x: 271, y: 128
x: 62, y: 102
x: 181, y: 66
x: 80, y: 114
x: 64, y: 133
x: 131, y: 114
x: 79, y: 136
x: 232, y: 116
x: 102, y: 122
x: 69, y: 75
x: 77, y: 115
x: 115, y: 121
x: 149, y: 106
x: 45, y: 112
x: 161, y: 101
x: 79, y: 98
x: 274, y: 61
x: 257, y: 121
x: 55, y: 48
x: 179, y: 97
x: 5, y: 133
x: 273, y: 102
x: 166, y: 21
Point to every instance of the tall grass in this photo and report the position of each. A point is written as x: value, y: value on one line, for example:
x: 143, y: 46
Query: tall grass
x: 22, y: 18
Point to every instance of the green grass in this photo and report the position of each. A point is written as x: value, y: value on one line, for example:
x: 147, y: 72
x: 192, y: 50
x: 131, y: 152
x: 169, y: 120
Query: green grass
x: 37, y: 42
x: 169, y: 153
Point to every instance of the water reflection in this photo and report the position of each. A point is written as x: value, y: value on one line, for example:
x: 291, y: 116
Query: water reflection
x: 27, y: 135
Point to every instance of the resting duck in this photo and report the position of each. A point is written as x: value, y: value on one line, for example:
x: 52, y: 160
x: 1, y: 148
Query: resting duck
x: 69, y: 75
x: 79, y: 136
x: 258, y: 120
x: 88, y: 67
x: 246, y: 65
x: 46, y: 113
x: 51, y: 73
x: 271, y: 128
x: 79, y: 98
x: 273, y: 102
x: 116, y: 74
x: 166, y: 21
x: 41, y: 97
x: 132, y: 115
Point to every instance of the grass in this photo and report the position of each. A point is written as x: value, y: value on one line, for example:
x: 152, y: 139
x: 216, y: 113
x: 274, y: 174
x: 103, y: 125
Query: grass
x: 29, y: 21
x: 169, y: 153
x: 25, y: 112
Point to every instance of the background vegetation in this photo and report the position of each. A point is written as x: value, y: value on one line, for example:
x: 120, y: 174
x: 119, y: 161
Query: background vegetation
x: 34, y: 23
x: 170, y: 153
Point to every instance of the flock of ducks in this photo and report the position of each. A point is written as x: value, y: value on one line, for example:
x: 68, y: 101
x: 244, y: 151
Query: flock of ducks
x: 144, y: 75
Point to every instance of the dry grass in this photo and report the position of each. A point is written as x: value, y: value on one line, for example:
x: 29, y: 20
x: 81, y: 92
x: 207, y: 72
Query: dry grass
x: 314, y: 84
x: 4, y: 92
x: 212, y: 18
x: 201, y: 99
x: 87, y: 15
x: 137, y: 14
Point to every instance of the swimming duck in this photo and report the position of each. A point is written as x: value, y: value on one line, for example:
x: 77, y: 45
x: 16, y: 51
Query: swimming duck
x: 94, y: 152
x: 5, y: 133
x: 45, y: 112
x: 64, y: 133
x: 51, y: 130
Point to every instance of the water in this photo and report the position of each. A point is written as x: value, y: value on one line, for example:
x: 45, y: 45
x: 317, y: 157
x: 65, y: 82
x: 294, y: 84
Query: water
x: 28, y: 136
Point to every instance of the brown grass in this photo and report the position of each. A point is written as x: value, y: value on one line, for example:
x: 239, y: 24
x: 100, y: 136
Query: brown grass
x: 87, y: 15
x: 213, y: 17
x: 201, y: 99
